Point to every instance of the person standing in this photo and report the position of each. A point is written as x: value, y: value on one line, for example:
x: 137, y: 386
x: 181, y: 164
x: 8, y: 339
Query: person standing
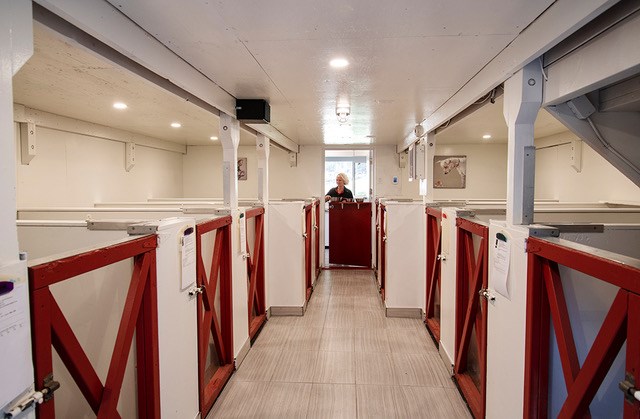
x: 340, y: 191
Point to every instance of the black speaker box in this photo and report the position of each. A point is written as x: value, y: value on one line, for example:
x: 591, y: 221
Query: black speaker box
x: 253, y: 110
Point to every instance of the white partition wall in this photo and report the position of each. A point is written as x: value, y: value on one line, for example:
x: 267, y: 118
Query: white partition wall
x: 405, y: 259
x: 286, y: 286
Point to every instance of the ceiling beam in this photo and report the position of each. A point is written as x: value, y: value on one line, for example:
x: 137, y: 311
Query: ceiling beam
x: 560, y: 20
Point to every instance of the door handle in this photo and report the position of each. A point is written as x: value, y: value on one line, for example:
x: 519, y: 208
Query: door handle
x: 195, y: 291
x: 441, y: 257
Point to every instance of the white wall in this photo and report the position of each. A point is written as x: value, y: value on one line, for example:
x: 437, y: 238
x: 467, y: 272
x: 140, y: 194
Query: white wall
x: 203, y: 172
x: 598, y: 180
x: 77, y: 170
x: 302, y: 181
x: 486, y: 171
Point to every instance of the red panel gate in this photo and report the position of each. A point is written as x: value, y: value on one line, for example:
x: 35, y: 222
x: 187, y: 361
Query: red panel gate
x: 255, y: 271
x: 215, y: 325
x: 546, y: 303
x: 471, y: 313
x: 316, y: 232
x: 308, y: 225
x: 432, y: 315
x: 383, y: 249
x: 140, y: 314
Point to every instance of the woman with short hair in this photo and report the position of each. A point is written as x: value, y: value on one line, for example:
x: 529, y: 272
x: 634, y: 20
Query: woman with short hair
x: 340, y: 191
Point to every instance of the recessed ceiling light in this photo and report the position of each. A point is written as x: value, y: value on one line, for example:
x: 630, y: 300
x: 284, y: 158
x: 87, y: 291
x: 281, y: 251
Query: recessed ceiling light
x: 338, y: 63
x: 176, y: 124
x: 120, y: 105
x: 486, y: 136
x: 213, y: 138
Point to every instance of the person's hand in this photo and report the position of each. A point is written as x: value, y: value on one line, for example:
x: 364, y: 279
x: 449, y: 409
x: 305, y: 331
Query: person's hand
x: 326, y: 198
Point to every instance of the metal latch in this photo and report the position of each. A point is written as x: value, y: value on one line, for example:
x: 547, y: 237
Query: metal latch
x: 37, y: 397
x: 631, y: 393
x: 484, y: 293
x: 195, y: 291
x: 441, y: 257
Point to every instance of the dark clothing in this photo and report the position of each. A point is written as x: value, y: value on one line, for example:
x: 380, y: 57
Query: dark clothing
x: 346, y: 194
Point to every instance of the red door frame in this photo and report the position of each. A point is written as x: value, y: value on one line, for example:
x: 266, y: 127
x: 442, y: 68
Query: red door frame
x: 383, y: 249
x: 316, y: 232
x: 140, y: 314
x: 471, y: 310
x: 546, y: 303
x: 377, y: 239
x: 255, y: 271
x: 433, y: 234
x: 307, y: 250
x: 208, y: 322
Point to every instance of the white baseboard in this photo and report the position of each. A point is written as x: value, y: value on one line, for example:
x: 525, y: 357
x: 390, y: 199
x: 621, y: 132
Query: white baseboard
x: 446, y: 359
x: 243, y: 353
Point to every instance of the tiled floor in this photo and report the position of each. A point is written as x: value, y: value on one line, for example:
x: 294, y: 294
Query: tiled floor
x: 342, y: 359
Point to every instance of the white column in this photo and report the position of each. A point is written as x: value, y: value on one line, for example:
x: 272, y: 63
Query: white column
x: 16, y: 46
x: 230, y: 139
x: 426, y: 184
x: 262, y: 151
x: 522, y: 98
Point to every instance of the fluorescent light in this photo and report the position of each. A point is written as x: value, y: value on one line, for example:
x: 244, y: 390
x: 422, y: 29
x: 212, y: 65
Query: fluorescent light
x: 120, y: 105
x: 338, y: 63
x: 213, y: 138
x: 486, y: 136
x: 176, y: 124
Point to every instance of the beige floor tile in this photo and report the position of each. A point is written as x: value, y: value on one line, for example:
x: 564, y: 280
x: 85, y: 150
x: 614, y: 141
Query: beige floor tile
x: 337, y: 340
x: 340, y: 319
x: 410, y: 341
x: 272, y: 336
x: 371, y: 340
x: 239, y: 399
x: 404, y: 323
x: 375, y: 401
x: 304, y: 338
x: 336, y: 401
x: 372, y: 302
x: 371, y: 319
x: 427, y: 402
x: 420, y: 370
x: 335, y: 367
x: 341, y: 302
x: 286, y: 321
x: 295, y: 367
x: 374, y: 368
x: 284, y: 400
x: 259, y: 365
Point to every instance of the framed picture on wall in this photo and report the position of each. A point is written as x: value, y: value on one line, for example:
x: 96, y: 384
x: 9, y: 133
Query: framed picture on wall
x: 449, y: 172
x: 242, y: 168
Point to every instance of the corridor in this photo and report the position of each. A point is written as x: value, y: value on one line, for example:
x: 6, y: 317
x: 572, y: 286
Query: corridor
x: 342, y: 359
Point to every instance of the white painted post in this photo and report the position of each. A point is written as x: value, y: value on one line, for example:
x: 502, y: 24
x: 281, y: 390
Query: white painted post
x: 230, y: 139
x: 262, y: 151
x: 263, y: 144
x: 522, y: 99
x: 426, y: 184
x: 16, y: 47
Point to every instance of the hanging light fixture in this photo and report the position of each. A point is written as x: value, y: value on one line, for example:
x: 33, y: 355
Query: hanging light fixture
x: 342, y: 112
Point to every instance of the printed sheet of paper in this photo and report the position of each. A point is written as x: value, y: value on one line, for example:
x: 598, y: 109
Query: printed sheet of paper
x: 500, y: 267
x: 188, y: 258
x: 15, y: 334
x: 243, y: 233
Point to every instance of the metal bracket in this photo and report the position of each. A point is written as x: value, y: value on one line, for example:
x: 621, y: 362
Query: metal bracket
x: 485, y: 293
x: 37, y: 397
x: 539, y: 230
x: 195, y: 291
x: 441, y: 257
x: 141, y: 229
x: 631, y: 393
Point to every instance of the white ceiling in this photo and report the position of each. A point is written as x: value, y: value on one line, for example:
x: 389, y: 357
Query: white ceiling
x: 406, y: 59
